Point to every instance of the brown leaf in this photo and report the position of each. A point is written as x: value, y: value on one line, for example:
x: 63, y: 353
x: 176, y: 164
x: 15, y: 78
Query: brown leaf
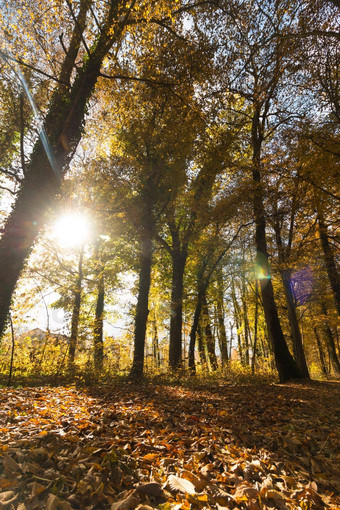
x: 150, y: 457
x: 129, y: 503
x: 152, y: 489
x: 37, y: 489
x: 199, y: 483
x: 10, y: 464
x: 244, y: 492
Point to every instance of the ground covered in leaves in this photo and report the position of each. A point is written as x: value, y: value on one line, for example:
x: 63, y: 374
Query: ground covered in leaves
x: 170, y: 447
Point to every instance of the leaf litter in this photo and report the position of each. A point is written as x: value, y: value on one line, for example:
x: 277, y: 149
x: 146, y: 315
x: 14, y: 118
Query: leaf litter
x: 125, y: 447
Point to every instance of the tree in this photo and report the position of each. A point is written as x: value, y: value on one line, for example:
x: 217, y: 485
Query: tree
x: 264, y: 62
x: 61, y: 131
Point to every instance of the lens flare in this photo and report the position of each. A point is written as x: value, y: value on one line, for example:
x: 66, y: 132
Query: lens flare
x: 71, y: 230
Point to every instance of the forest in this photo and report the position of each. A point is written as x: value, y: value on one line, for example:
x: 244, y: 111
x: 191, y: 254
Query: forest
x: 169, y: 189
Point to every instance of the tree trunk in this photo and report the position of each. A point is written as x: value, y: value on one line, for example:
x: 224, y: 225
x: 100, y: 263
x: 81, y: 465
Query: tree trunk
x: 142, y: 310
x: 330, y: 342
x: 98, y: 352
x: 51, y: 154
x: 299, y: 352
x: 237, y: 322
x: 320, y: 350
x: 194, y: 328
x: 220, y: 319
x: 246, y: 324
x: 253, y: 359
x: 209, y: 337
x: 76, y: 312
x: 155, y: 345
x: 176, y: 319
x: 285, y: 364
x: 201, y: 347
x: 332, y: 271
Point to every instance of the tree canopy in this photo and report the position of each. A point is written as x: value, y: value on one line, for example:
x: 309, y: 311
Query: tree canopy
x: 201, y: 140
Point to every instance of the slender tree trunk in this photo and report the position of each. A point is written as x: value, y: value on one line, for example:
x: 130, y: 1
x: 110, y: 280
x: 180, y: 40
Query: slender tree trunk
x: 155, y: 344
x: 76, y: 312
x: 220, y: 319
x: 246, y: 326
x: 209, y: 337
x: 142, y: 310
x: 285, y: 364
x: 194, y: 328
x: 332, y: 271
x: 320, y: 350
x: 237, y: 321
x: 9, y: 381
x: 201, y: 347
x: 334, y: 360
x: 231, y: 326
x: 253, y: 360
x: 176, y: 319
x: 98, y: 344
x: 49, y: 160
x: 299, y: 352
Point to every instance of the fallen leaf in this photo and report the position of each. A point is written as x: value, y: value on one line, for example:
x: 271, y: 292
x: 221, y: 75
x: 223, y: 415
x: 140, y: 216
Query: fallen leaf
x: 181, y: 485
x: 129, y: 503
x: 7, y: 498
x: 150, y: 489
x: 10, y: 464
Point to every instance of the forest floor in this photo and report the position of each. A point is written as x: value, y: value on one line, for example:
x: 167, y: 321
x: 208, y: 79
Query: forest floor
x: 121, y: 447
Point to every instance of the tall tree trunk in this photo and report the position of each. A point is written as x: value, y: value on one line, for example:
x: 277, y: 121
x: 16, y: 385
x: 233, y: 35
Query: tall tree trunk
x: 194, y: 327
x: 76, y: 312
x: 155, y: 344
x: 98, y: 352
x: 176, y: 318
x: 237, y: 322
x: 220, y: 318
x: 142, y: 310
x: 285, y: 364
x: 245, y: 322
x: 209, y: 337
x: 299, y: 352
x: 50, y: 159
x: 253, y: 359
x: 332, y: 271
x: 320, y: 350
x: 201, y: 347
x: 334, y: 360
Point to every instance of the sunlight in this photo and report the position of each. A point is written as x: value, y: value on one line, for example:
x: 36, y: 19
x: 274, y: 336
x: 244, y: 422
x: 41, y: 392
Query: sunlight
x: 71, y: 230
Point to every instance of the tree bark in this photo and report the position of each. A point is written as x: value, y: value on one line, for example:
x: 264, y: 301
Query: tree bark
x: 320, y: 350
x: 245, y: 322
x: 299, y: 352
x: 142, y: 310
x: 332, y: 271
x: 76, y: 312
x: 220, y: 318
x: 209, y: 337
x: 333, y: 357
x: 155, y: 345
x: 237, y: 322
x: 201, y: 347
x: 285, y: 364
x: 98, y: 351
x: 176, y: 318
x: 253, y: 359
x: 194, y: 327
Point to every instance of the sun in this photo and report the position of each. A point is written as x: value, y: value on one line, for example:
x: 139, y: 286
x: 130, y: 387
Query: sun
x: 71, y: 230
